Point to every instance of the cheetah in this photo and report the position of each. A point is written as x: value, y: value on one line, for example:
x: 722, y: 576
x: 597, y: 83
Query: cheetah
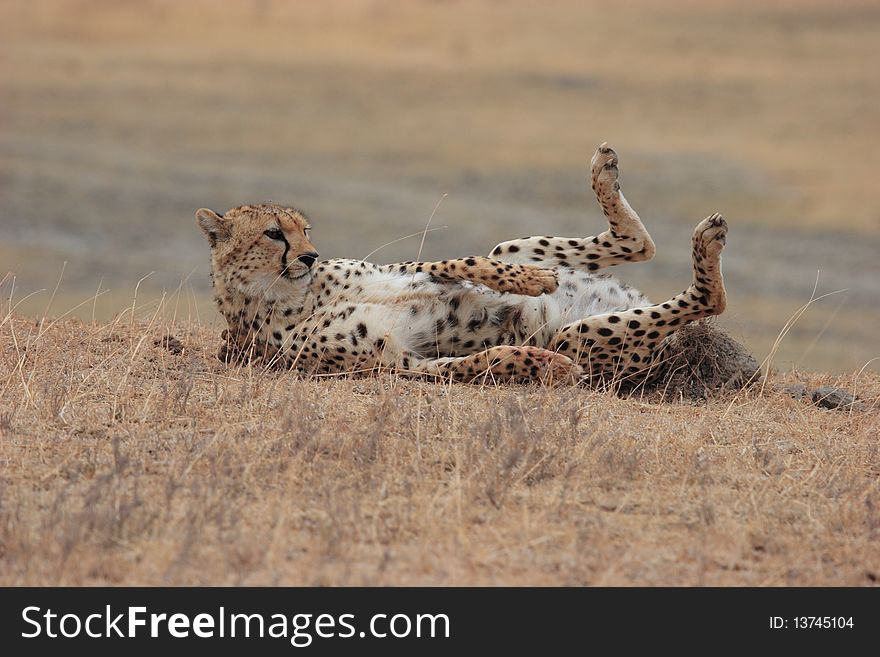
x: 535, y: 309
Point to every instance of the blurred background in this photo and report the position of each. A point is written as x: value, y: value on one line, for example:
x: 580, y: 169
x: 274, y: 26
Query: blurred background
x: 119, y: 118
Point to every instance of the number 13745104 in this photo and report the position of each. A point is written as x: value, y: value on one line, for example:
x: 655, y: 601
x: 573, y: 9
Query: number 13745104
x: 811, y: 622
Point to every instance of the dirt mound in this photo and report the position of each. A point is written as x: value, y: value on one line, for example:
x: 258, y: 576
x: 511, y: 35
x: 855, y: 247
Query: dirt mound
x: 702, y: 360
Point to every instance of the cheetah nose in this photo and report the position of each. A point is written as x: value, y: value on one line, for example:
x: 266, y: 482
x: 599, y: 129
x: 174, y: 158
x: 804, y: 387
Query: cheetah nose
x: 308, y: 259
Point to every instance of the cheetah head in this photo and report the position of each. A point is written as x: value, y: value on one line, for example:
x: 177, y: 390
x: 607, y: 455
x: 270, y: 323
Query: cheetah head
x: 259, y: 250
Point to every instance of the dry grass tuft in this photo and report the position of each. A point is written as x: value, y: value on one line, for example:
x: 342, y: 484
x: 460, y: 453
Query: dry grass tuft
x: 126, y: 461
x: 702, y: 360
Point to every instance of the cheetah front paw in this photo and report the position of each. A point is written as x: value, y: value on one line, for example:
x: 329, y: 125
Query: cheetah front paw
x: 710, y: 236
x: 604, y: 172
x: 531, y: 281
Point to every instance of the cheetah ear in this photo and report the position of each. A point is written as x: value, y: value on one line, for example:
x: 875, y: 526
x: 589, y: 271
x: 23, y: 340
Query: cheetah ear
x: 213, y: 225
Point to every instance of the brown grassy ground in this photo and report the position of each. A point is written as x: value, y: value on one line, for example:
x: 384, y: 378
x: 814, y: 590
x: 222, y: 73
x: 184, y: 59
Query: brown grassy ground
x: 123, y: 462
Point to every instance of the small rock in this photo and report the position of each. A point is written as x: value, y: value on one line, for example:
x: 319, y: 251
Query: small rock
x: 835, y: 399
x: 796, y: 390
x: 171, y: 343
x: 788, y: 446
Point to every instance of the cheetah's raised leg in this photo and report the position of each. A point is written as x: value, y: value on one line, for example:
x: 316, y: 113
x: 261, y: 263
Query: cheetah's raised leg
x: 628, y: 344
x: 626, y: 239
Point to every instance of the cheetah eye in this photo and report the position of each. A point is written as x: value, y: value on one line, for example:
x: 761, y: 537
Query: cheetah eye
x: 274, y: 234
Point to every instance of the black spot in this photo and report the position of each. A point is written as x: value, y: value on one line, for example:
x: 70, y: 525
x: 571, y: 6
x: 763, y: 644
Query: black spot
x: 513, y: 248
x: 614, y: 319
x: 543, y: 242
x: 654, y: 335
x: 605, y: 331
x: 361, y: 330
x: 633, y: 324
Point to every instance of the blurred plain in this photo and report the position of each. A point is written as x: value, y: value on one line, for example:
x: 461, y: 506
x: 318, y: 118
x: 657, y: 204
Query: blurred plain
x: 118, y: 119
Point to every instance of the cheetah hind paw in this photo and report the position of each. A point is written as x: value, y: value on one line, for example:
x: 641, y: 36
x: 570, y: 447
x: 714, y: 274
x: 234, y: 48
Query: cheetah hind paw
x: 553, y: 368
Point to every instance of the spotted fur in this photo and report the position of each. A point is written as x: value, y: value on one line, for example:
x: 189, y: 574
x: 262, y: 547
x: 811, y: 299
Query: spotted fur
x: 535, y: 309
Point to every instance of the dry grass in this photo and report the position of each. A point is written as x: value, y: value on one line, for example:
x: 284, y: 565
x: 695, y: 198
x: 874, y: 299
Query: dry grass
x: 126, y: 460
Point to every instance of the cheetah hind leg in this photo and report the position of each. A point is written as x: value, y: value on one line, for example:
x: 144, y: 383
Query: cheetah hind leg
x: 628, y: 345
x: 501, y: 364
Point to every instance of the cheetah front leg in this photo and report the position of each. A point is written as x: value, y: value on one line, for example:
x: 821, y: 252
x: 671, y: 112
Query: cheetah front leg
x: 626, y: 239
x: 500, y: 276
x: 629, y: 344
